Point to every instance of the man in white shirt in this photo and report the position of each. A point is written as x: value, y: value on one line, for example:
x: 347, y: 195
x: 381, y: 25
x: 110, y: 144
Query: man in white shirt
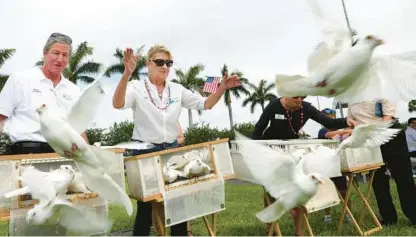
x: 157, y: 104
x: 411, y: 136
x: 25, y: 91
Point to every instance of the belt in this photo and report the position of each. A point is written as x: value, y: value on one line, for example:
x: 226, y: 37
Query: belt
x: 26, y: 144
x: 164, y: 144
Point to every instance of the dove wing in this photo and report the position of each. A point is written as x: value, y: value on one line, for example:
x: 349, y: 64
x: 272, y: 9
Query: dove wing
x: 408, y: 55
x: 105, y: 187
x: 386, y: 77
x: 398, y: 78
x: 336, y: 35
x: 323, y: 160
x: 273, y: 169
x: 40, y: 187
x: 86, y: 107
x: 81, y: 221
x: 372, y: 135
x: 319, y: 57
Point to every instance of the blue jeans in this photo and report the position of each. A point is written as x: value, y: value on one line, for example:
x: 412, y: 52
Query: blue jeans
x: 144, y: 209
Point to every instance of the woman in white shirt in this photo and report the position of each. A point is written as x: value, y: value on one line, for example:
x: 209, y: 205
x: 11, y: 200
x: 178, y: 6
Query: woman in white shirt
x: 157, y: 104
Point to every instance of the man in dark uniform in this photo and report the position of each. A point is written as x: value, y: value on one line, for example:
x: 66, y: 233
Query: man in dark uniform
x: 287, y: 116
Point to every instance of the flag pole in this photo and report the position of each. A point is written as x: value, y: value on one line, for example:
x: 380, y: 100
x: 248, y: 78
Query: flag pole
x: 352, y: 41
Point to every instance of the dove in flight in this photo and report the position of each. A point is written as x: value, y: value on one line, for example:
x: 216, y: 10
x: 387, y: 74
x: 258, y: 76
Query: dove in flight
x: 326, y: 161
x: 278, y: 172
x: 73, y: 218
x: 64, y: 136
x: 370, y: 135
x: 350, y: 74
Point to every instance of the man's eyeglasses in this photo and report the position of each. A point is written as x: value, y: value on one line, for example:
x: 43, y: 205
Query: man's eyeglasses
x: 329, y: 111
x: 297, y: 97
x: 161, y: 62
x: 56, y: 35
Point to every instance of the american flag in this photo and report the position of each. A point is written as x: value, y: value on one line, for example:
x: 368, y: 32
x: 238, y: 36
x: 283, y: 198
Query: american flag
x: 211, y: 84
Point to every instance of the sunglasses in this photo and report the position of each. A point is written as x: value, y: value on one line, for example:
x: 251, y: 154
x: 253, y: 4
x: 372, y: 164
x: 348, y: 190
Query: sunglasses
x: 56, y: 35
x: 329, y: 111
x: 161, y: 62
x: 297, y: 97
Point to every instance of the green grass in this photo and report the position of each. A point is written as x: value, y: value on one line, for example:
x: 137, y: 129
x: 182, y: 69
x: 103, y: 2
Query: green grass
x: 244, y: 200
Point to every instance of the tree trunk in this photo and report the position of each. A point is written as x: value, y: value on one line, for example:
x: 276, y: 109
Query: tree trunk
x: 230, y: 111
x: 190, y: 118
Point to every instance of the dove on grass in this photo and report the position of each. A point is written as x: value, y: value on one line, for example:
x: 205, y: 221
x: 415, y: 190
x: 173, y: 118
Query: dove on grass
x: 64, y: 136
x: 73, y: 218
x: 282, y: 178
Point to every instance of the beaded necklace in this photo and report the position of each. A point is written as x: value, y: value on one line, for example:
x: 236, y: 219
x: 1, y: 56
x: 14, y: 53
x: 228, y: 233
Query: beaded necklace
x: 289, y: 118
x: 151, y: 98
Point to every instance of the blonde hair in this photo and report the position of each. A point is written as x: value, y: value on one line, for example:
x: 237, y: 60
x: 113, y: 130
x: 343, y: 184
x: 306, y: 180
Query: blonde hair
x: 158, y: 49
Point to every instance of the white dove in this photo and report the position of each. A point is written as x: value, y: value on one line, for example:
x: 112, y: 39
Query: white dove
x: 77, y: 185
x: 63, y: 135
x: 369, y: 135
x: 345, y: 71
x: 323, y: 160
x: 177, y: 161
x: 326, y: 161
x: 71, y: 217
x: 281, y: 177
x: 196, y: 167
x: 170, y: 174
x: 60, y: 179
x: 351, y: 74
x: 202, y: 154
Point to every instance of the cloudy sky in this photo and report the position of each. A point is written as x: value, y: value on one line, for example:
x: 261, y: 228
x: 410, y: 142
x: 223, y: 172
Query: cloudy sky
x: 259, y: 38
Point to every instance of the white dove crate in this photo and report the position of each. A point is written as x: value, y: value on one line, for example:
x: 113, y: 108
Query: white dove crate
x: 19, y: 227
x: 145, y: 175
x: 51, y: 161
x: 352, y: 159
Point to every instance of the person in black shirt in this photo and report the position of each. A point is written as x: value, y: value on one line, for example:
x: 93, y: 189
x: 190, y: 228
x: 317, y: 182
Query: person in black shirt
x: 287, y: 116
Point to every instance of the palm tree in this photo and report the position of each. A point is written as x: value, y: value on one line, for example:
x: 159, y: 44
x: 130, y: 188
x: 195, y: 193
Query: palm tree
x: 236, y: 91
x: 191, y: 81
x: 118, y: 68
x: 412, y: 106
x: 4, y: 55
x: 77, y: 69
x: 260, y: 95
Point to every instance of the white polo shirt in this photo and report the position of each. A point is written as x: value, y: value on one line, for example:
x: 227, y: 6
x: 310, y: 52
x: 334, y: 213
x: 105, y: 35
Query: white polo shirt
x: 155, y: 119
x: 24, y: 92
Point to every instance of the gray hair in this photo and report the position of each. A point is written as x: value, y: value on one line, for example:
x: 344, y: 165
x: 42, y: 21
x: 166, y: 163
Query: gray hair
x: 57, y: 38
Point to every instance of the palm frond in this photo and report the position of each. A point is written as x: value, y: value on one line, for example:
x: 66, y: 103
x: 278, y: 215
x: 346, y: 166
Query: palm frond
x: 89, y: 67
x: 39, y: 63
x: 114, y: 69
x: 6, y: 54
x: 82, y: 51
x: 86, y: 79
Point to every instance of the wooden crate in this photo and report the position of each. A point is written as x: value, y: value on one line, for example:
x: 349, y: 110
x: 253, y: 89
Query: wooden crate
x: 45, y: 162
x: 351, y: 158
x: 145, y: 175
